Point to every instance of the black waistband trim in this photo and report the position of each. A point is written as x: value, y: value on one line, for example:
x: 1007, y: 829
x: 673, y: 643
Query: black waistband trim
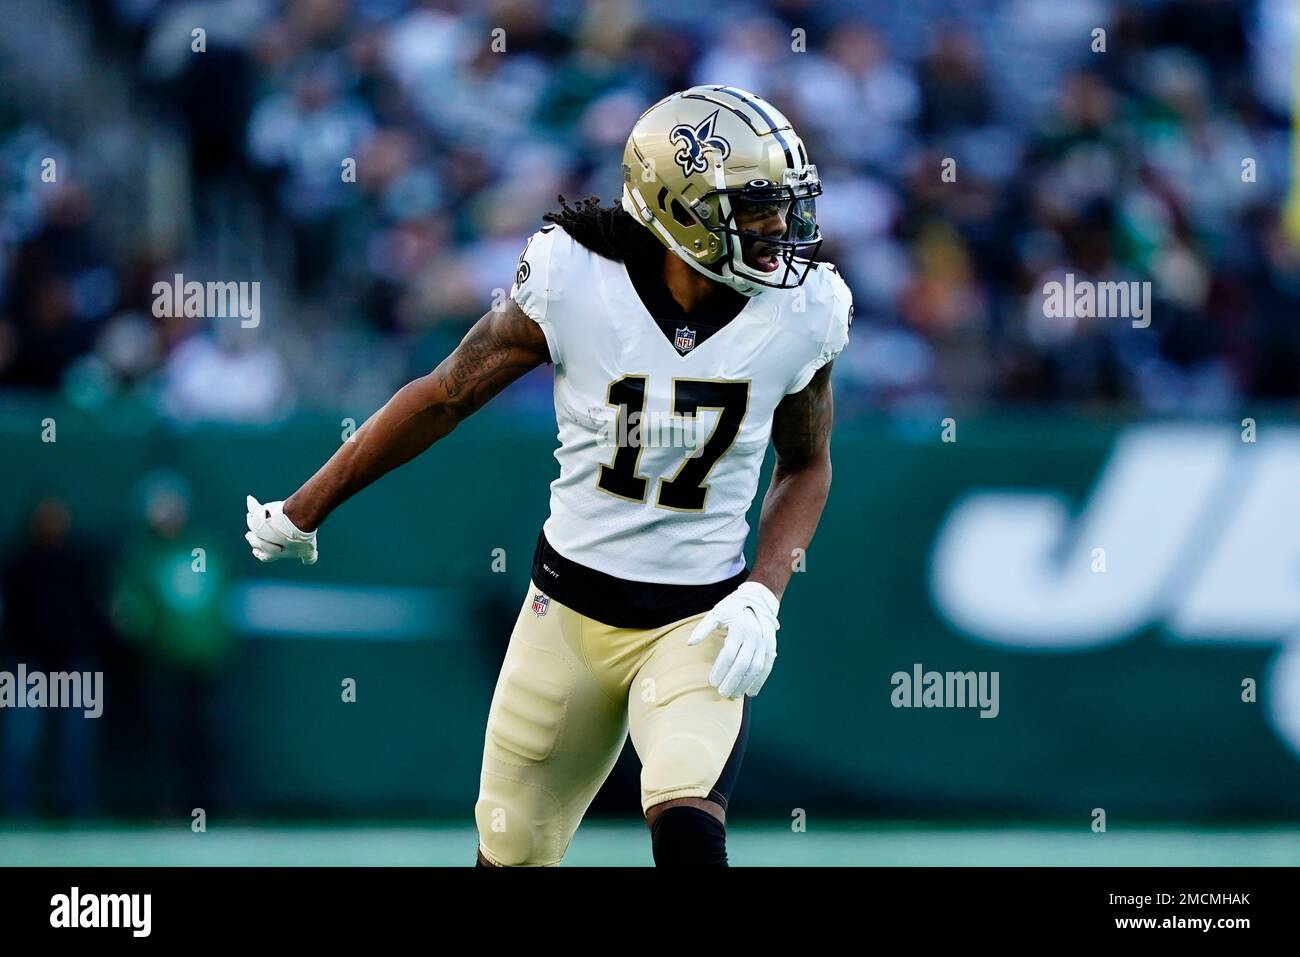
x: 619, y: 602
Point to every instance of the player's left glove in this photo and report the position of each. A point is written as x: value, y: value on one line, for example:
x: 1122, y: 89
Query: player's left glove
x: 748, y: 617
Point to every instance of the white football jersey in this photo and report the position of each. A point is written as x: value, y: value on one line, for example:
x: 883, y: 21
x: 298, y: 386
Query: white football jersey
x: 660, y: 450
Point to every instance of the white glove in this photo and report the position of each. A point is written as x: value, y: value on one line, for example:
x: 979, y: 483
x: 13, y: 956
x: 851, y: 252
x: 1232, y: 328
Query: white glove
x: 273, y: 536
x: 748, y: 618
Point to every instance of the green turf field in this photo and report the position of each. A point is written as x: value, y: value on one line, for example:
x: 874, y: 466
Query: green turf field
x: 601, y: 843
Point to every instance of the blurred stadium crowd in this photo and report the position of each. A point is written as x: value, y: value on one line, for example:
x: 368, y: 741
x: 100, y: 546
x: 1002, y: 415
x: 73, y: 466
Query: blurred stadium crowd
x: 227, y: 165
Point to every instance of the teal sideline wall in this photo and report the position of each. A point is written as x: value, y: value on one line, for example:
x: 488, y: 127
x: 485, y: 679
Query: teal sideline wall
x: 1144, y: 727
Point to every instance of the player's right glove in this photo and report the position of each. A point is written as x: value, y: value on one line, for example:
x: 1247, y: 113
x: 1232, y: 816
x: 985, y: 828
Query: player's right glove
x: 274, y: 537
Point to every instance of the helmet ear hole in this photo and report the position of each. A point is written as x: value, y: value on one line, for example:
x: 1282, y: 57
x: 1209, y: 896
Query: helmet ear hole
x: 680, y: 214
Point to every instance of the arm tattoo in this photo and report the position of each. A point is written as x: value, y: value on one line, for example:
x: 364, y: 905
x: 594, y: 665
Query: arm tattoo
x: 801, y: 426
x: 500, y: 348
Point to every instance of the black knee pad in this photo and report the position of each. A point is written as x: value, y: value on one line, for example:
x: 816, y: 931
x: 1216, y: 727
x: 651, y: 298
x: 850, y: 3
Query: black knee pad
x: 685, y: 836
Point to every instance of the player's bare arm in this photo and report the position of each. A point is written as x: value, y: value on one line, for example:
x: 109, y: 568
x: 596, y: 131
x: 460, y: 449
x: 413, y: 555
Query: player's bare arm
x: 801, y: 428
x: 801, y: 435
x: 501, y: 347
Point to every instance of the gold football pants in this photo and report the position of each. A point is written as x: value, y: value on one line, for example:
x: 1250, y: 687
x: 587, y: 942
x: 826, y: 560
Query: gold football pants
x: 570, y: 689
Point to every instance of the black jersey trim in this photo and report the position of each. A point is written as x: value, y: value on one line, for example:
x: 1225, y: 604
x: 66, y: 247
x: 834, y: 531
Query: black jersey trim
x: 620, y: 602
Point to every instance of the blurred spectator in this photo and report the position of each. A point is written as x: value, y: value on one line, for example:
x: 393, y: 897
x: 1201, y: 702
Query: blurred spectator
x: 52, y: 622
x: 60, y: 290
x: 228, y: 374
x: 856, y: 100
x: 954, y: 92
x: 169, y: 601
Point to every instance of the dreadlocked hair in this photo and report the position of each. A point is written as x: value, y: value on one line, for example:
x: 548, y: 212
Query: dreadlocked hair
x: 606, y: 230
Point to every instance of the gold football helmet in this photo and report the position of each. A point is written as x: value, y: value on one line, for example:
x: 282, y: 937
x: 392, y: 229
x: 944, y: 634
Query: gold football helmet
x: 702, y: 165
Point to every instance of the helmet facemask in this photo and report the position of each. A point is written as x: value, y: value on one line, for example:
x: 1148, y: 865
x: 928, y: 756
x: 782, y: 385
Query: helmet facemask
x: 769, y: 230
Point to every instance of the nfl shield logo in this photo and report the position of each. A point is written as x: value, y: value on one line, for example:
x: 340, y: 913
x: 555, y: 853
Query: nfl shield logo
x: 540, y: 604
x: 685, y: 340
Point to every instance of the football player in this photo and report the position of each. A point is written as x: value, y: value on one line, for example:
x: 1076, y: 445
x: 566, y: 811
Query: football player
x: 696, y: 304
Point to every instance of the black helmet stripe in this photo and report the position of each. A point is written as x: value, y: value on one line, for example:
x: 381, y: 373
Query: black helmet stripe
x: 766, y: 117
x: 726, y: 106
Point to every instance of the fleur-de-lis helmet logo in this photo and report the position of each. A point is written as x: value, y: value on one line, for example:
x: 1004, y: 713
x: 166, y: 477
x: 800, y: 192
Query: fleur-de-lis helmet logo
x: 693, y: 142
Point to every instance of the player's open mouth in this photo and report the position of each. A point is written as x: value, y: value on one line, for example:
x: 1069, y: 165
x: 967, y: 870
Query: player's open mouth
x: 763, y: 257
